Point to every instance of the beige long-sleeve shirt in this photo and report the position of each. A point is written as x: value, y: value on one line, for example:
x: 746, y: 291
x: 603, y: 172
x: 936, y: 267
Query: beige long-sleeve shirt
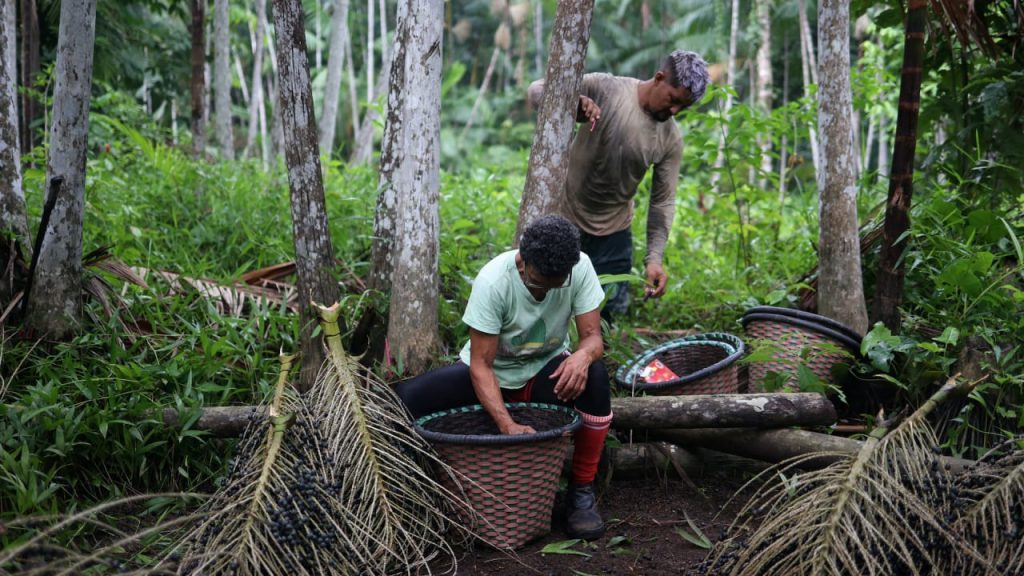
x: 607, y: 165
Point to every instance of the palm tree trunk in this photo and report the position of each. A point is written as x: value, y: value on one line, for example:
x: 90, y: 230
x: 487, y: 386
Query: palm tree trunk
x: 335, y: 64
x: 30, y: 107
x: 314, y: 254
x: 556, y: 117
x: 412, y: 318
x: 13, y: 221
x: 840, y: 282
x: 222, y: 79
x: 734, y: 32
x: 809, y: 67
x: 889, y: 283
x: 198, y: 82
x: 764, y: 83
x: 55, y: 304
x: 257, y: 110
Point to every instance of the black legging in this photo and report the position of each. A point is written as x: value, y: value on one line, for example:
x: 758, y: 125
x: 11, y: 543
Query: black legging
x: 451, y: 387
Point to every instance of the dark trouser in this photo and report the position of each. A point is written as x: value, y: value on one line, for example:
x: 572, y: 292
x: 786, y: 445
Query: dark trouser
x: 451, y: 387
x: 612, y: 254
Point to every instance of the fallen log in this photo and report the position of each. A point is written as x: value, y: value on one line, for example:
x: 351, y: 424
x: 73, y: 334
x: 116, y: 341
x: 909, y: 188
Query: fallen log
x: 723, y: 411
x: 776, y: 445
x: 712, y: 411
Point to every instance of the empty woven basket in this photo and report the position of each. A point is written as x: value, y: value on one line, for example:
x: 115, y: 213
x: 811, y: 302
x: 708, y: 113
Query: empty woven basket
x: 801, y: 338
x: 704, y: 364
x: 509, y: 481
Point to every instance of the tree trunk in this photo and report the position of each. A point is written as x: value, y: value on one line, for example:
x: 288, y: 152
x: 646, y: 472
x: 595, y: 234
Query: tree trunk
x: 222, y: 79
x: 335, y: 65
x: 369, y: 49
x: 809, y: 67
x: 13, y: 221
x: 556, y: 117
x: 415, y: 180
x: 314, y: 255
x: 889, y: 283
x: 764, y: 83
x: 482, y: 91
x: 55, y: 304
x: 723, y: 134
x: 257, y: 111
x: 30, y: 107
x: 241, y: 78
x: 198, y: 83
x: 363, y: 148
x: 538, y: 36
x: 840, y: 282
x: 723, y: 411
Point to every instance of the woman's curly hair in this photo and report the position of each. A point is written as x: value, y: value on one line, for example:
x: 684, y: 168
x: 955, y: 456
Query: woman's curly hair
x: 551, y: 244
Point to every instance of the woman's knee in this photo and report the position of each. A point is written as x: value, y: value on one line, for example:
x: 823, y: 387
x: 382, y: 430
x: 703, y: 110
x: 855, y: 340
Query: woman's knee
x: 596, y: 397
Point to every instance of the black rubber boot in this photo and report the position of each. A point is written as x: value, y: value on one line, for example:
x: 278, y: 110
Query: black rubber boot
x: 582, y: 517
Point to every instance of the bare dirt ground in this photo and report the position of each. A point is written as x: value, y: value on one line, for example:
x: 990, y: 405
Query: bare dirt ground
x: 644, y: 515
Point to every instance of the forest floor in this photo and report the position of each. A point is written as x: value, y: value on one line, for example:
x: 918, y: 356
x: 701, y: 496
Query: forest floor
x: 644, y: 515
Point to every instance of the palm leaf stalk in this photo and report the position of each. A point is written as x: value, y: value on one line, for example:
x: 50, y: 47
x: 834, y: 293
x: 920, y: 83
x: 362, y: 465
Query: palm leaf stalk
x: 332, y: 481
x: 875, y: 513
x: 990, y: 505
x: 402, y: 513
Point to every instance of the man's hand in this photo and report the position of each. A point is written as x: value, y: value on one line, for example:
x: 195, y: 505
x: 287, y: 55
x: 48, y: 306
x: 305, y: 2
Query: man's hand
x: 511, y: 428
x: 572, y: 376
x: 656, y: 280
x: 588, y: 111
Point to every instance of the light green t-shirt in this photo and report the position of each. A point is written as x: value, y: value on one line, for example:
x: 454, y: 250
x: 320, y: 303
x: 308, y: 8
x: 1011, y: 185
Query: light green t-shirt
x: 530, y: 333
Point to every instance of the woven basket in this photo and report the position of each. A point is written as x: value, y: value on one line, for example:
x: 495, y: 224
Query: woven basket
x: 705, y: 363
x: 509, y: 481
x: 795, y: 331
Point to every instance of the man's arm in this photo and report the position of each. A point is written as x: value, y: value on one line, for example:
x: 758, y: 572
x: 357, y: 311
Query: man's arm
x: 586, y: 111
x: 659, y: 218
x: 572, y: 373
x: 483, y: 349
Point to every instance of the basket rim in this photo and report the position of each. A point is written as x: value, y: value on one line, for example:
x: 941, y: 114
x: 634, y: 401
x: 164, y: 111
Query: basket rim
x: 625, y: 375
x: 496, y: 439
x: 810, y: 317
x: 849, y: 343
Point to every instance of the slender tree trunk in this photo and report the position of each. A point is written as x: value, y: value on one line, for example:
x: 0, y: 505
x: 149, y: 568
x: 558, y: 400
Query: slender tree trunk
x: 840, y: 282
x: 556, y: 117
x: 369, y: 49
x: 222, y: 79
x: 197, y: 82
x: 414, y: 168
x: 809, y: 67
x: 13, y: 221
x: 764, y: 83
x: 335, y: 64
x: 889, y: 283
x: 241, y: 79
x: 734, y: 32
x: 783, y: 145
x: 882, y: 163
x: 350, y: 72
x: 383, y: 19
x: 363, y: 149
x: 30, y: 107
x: 55, y: 304
x: 314, y: 255
x: 257, y: 110
x: 538, y: 36
x: 276, y: 131
x: 482, y: 91
x: 386, y: 214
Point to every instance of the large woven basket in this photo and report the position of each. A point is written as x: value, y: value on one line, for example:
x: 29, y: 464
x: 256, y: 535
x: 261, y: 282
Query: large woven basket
x: 705, y: 364
x: 509, y: 481
x: 801, y: 338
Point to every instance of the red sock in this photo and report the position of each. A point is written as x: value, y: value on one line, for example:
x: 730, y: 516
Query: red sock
x: 588, y: 440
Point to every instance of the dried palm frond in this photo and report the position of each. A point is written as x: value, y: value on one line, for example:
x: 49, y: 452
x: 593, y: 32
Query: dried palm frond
x: 330, y: 483
x: 230, y: 300
x: 41, y: 546
x: 990, y: 504
x: 871, y: 513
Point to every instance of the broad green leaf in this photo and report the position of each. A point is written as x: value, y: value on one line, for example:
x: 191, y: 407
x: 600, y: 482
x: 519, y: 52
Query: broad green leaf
x: 564, y: 547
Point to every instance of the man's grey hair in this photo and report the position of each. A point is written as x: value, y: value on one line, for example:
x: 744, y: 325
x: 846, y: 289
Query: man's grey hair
x: 687, y: 69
